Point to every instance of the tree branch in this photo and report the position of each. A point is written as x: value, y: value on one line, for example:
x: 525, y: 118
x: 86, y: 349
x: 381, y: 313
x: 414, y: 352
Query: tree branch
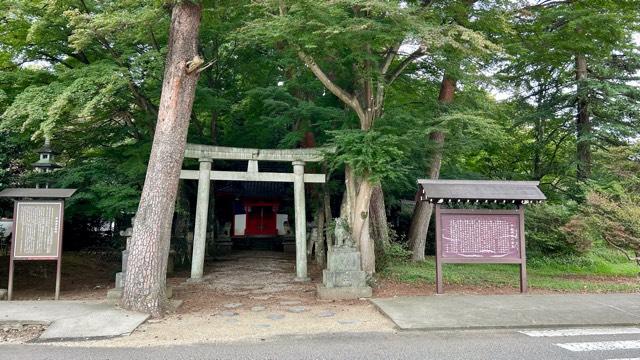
x: 404, y: 63
x: 336, y: 90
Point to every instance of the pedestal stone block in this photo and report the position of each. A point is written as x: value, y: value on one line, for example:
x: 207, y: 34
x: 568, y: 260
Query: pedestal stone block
x: 333, y: 279
x: 120, y: 280
x: 343, y: 293
x: 343, y: 260
x: 125, y: 258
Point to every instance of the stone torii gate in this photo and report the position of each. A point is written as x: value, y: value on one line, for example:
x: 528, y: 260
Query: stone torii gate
x: 206, y: 154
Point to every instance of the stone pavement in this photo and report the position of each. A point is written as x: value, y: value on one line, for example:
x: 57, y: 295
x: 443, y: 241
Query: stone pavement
x: 453, y: 312
x: 72, y: 319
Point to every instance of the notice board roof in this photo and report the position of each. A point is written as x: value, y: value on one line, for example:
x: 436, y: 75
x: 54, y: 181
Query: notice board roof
x: 481, y: 190
x: 37, y: 193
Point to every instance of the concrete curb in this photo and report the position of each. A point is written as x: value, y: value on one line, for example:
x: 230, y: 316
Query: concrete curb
x: 476, y: 312
x: 72, y: 320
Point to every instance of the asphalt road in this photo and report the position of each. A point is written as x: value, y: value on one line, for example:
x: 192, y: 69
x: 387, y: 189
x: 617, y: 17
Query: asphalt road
x: 586, y: 344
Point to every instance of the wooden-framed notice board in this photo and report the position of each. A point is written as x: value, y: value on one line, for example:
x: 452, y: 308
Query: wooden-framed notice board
x: 482, y: 222
x: 38, y: 220
x: 480, y: 236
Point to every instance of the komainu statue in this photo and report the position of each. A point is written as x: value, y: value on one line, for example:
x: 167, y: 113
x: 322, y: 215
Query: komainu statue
x: 343, y: 235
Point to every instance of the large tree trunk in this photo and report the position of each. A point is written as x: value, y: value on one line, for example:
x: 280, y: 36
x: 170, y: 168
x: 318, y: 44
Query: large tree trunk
x: 147, y: 266
x: 583, y: 121
x: 358, y: 200
x: 378, y: 226
x: 422, y: 210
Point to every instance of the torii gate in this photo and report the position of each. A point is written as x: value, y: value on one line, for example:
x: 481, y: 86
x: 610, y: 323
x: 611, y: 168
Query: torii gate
x: 206, y: 154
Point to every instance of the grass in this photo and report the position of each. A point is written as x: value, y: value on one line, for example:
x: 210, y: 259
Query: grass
x: 602, y: 270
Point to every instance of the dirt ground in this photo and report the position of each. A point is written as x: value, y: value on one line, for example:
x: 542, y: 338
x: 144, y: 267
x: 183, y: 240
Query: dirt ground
x: 85, y: 276
x: 19, y: 333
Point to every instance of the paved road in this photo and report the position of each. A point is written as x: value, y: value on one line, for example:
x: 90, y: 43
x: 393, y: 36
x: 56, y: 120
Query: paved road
x: 586, y: 344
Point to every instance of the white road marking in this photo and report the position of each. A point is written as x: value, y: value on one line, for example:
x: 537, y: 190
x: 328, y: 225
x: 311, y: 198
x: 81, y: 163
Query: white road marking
x: 601, y: 345
x: 626, y: 359
x: 582, y: 332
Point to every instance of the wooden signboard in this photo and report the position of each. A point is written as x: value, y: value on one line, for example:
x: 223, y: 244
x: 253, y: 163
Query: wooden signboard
x: 480, y: 236
x: 37, y: 234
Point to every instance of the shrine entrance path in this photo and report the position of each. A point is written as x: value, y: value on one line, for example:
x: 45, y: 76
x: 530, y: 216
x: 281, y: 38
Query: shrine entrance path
x: 252, y: 295
x: 250, y: 277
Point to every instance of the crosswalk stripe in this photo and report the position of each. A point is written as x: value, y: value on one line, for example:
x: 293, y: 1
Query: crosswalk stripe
x: 582, y: 332
x: 601, y: 345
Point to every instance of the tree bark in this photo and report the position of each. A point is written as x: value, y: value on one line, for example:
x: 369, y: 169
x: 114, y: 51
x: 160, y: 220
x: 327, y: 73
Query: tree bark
x: 358, y: 198
x: 583, y: 121
x: 423, y: 210
x: 378, y: 221
x: 145, y: 282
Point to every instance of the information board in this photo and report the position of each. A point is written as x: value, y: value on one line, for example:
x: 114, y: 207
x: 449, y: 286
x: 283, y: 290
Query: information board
x: 37, y: 230
x: 480, y: 236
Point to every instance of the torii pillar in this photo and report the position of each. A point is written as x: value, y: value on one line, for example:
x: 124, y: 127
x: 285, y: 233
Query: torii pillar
x: 301, y: 221
x: 202, y: 212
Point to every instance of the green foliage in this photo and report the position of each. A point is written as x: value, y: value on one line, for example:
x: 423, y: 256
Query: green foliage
x: 545, y: 232
x: 371, y: 154
x: 89, y: 73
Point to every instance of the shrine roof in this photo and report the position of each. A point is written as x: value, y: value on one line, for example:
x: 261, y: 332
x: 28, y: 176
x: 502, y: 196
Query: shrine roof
x: 37, y: 193
x: 481, y: 190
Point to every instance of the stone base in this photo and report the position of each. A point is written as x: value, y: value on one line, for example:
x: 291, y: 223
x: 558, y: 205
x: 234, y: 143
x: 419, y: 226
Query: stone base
x: 343, y: 259
x: 120, y: 279
x: 343, y: 293
x: 3, y: 294
x: 354, y: 279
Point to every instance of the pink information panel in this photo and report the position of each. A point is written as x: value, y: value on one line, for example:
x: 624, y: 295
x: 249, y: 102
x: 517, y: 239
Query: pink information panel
x: 480, y: 236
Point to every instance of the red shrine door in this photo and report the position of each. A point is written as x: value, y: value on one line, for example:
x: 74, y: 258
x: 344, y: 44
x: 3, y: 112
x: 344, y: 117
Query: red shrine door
x: 261, y: 219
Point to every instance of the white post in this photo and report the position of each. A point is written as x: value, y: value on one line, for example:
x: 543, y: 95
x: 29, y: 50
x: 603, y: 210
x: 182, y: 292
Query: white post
x: 202, y: 209
x: 301, y: 221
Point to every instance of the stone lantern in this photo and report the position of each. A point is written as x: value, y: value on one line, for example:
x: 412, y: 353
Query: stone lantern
x: 46, y: 162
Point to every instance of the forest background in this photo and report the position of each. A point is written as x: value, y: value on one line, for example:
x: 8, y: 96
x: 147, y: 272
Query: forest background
x: 458, y: 89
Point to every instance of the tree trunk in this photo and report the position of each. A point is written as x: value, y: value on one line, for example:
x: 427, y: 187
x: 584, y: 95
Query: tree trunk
x: 145, y: 282
x: 378, y: 222
x: 359, y: 201
x: 422, y: 210
x: 328, y: 217
x: 583, y: 121
x: 321, y: 250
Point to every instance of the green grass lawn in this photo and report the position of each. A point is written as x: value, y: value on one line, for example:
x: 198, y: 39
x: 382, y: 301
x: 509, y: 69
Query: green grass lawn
x: 601, y: 271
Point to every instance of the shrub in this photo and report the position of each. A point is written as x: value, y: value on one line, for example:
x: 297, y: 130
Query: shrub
x: 546, y: 231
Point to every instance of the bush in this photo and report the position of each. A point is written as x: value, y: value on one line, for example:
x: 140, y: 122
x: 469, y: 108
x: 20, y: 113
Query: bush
x: 612, y: 219
x: 547, y: 232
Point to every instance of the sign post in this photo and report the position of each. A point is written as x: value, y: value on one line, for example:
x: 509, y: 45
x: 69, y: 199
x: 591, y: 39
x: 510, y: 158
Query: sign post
x: 480, y: 236
x: 37, y: 228
x: 474, y: 236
